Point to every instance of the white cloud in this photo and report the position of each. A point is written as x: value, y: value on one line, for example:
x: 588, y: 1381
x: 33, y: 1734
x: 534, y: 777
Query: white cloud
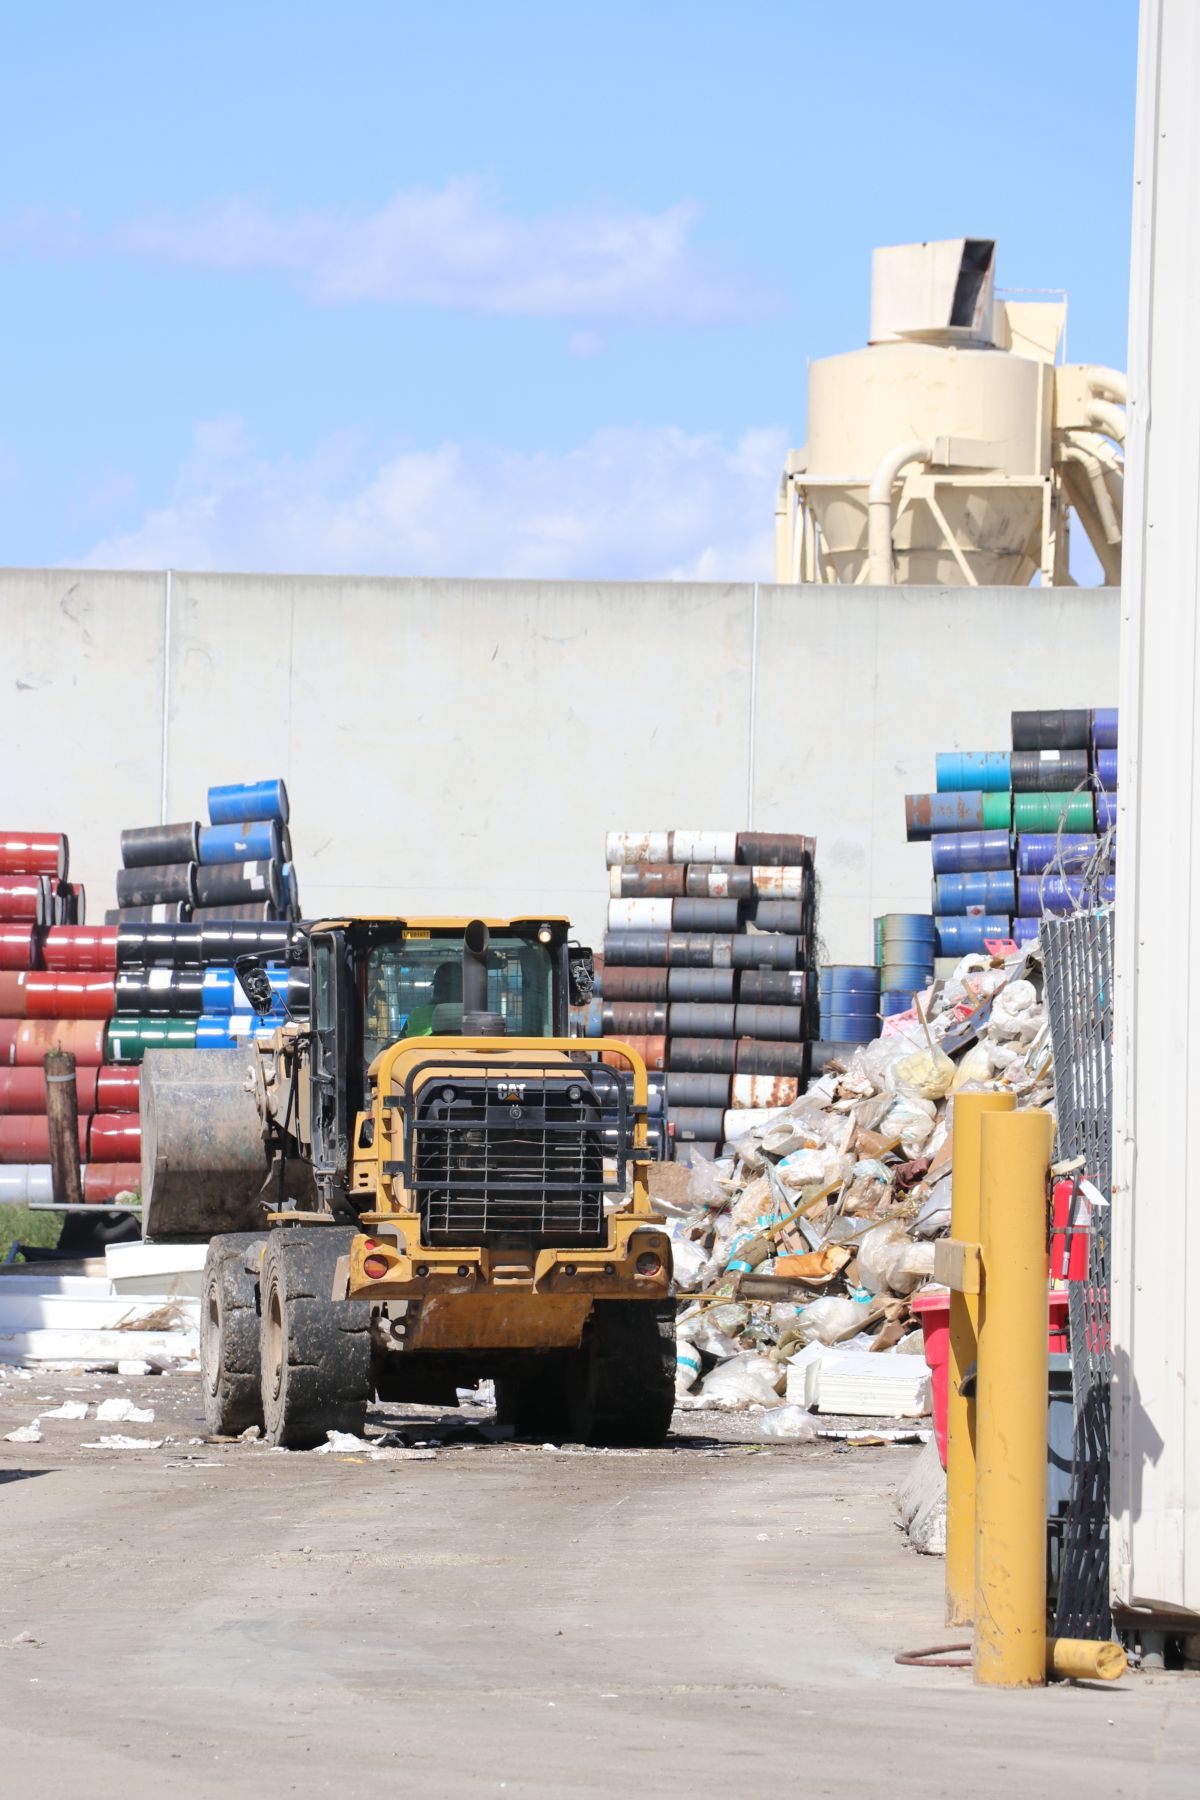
x: 630, y: 503
x: 454, y: 247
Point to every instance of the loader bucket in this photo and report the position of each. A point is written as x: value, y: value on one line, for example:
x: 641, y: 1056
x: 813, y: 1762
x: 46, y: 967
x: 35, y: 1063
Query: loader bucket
x: 204, y: 1154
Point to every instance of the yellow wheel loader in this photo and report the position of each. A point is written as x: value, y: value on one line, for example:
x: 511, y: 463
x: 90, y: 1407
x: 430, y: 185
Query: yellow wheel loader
x: 423, y: 1184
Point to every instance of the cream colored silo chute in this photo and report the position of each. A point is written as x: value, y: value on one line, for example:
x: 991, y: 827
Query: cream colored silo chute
x: 950, y: 450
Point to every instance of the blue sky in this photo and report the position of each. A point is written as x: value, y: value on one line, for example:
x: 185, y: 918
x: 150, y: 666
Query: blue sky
x: 520, y: 290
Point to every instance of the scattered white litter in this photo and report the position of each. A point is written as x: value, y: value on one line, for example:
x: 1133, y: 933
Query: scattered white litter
x: 118, y: 1442
x: 124, y: 1412
x: 134, y: 1365
x: 25, y: 1434
x: 70, y: 1409
x: 342, y: 1441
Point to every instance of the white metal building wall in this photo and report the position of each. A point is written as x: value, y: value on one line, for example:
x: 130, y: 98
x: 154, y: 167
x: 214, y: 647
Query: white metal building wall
x: 1156, y: 1241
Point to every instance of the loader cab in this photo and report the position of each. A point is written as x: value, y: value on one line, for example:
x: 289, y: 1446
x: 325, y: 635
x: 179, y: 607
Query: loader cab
x: 377, y: 981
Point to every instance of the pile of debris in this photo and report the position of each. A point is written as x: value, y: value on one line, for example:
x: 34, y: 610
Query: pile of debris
x: 797, y: 1258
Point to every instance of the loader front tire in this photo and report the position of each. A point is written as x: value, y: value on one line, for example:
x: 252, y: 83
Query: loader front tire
x: 229, y: 1356
x: 315, y: 1351
x: 621, y: 1385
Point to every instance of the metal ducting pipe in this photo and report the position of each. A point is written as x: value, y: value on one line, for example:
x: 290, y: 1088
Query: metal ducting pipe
x: 1110, y: 384
x: 1070, y: 451
x: 1107, y: 418
x: 477, y: 1021
x: 879, y: 507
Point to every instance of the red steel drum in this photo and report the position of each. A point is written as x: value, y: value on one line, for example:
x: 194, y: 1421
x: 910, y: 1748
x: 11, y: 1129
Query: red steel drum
x: 18, y: 947
x: 33, y: 853
x: 25, y: 897
x: 25, y: 1137
x: 24, y: 1090
x: 118, y: 1089
x: 103, y: 1182
x: 115, y: 1138
x: 38, y: 995
x: 84, y: 1038
x: 71, y: 949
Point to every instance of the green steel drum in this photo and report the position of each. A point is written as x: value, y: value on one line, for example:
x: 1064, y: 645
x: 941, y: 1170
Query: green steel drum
x: 130, y: 1036
x: 1053, y: 812
x: 997, y: 811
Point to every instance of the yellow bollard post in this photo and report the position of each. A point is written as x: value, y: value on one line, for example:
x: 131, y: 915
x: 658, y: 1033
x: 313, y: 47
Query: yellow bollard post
x: 969, y: 1111
x: 1011, y: 1400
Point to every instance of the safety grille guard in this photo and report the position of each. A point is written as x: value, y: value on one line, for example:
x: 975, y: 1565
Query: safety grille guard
x: 512, y: 1150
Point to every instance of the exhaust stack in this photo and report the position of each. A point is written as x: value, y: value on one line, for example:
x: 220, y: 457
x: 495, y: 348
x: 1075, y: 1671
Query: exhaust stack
x: 477, y: 1021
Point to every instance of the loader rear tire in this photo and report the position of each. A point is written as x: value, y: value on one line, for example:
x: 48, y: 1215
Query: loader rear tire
x: 621, y: 1384
x: 229, y: 1357
x: 315, y: 1351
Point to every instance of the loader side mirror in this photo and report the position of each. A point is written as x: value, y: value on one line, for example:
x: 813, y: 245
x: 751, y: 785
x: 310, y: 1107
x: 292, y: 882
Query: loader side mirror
x: 255, y: 983
x: 581, y: 974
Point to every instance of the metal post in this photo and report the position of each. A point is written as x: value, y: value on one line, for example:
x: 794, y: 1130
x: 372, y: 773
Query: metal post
x: 1010, y: 1415
x: 62, y: 1117
x: 969, y: 1111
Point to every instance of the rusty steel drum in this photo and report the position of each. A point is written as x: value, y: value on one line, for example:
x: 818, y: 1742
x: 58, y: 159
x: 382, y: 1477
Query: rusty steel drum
x: 780, y: 1022
x: 632, y: 984
x: 105, y: 1182
x: 764, y: 1090
x: 718, y: 881
x: 698, y: 1124
x: 773, y: 987
x: 158, y: 884
x: 646, y: 881
x: 702, y: 1055
x: 779, y: 915
x: 83, y: 1038
x: 115, y: 1137
x: 26, y: 899
x: 701, y: 984
x: 689, y: 1019
x: 18, y: 947
x: 75, y: 948
x: 787, y: 881
x: 767, y: 1056
x: 652, y: 1050
x: 693, y: 950
x: 685, y: 1088
x: 637, y: 1018
x: 34, y: 853
x: 637, y: 847
x: 24, y: 1090
x: 768, y: 950
x: 690, y: 914
x: 775, y: 849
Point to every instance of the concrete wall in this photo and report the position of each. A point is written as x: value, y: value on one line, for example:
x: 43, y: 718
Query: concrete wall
x: 462, y: 746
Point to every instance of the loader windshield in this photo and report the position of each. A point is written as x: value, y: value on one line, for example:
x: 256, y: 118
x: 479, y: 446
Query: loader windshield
x: 414, y: 988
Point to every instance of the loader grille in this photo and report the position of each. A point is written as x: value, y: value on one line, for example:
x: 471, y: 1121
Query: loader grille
x: 510, y: 1156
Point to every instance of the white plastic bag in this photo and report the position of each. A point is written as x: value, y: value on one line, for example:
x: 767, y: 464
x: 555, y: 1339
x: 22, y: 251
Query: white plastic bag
x: 687, y: 1365
x: 890, y: 1262
x: 795, y: 1423
x: 743, y: 1381
x: 829, y: 1319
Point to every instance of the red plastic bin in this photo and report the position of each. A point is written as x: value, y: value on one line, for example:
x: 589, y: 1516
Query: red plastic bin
x: 932, y: 1307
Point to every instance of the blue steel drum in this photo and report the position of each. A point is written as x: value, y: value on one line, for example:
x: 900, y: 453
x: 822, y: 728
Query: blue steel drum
x: 962, y: 936
x: 1106, y: 811
x: 850, y: 978
x: 224, y: 993
x: 1106, y: 770
x: 960, y: 852
x: 1036, y: 850
x: 1059, y: 894
x: 229, y: 1031
x: 860, y: 1005
x: 250, y: 840
x: 897, y: 1000
x: 964, y: 771
x: 851, y: 1028
x: 240, y: 800
x: 1025, y: 931
x: 984, y: 891
x: 1104, y: 728
x: 906, y: 975
x: 907, y: 928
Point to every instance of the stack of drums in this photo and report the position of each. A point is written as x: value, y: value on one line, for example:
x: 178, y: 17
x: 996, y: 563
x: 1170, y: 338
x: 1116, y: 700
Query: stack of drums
x: 1019, y: 833
x: 57, y: 992
x: 849, y: 1004
x: 238, y: 866
x: 34, y: 888
x: 905, y: 957
x: 707, y: 973
x: 176, y: 986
